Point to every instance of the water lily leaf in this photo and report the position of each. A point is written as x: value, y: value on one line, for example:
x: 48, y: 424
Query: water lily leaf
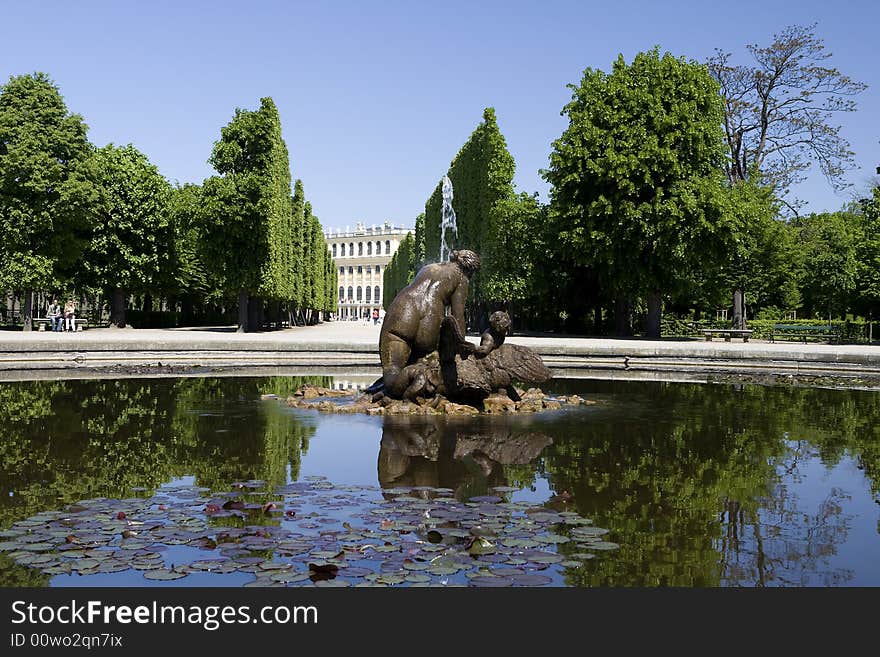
x: 480, y: 546
x: 290, y: 576
x: 442, y: 571
x: 601, y: 545
x: 483, y: 580
x: 531, y: 579
x: 552, y: 538
x: 163, y: 575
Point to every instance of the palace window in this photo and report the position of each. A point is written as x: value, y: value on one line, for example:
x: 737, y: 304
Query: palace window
x: 360, y: 295
x: 369, y: 248
x: 376, y: 294
x: 334, y: 250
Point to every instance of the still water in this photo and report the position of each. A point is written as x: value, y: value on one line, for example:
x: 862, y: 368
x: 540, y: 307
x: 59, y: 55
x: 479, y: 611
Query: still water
x: 697, y: 486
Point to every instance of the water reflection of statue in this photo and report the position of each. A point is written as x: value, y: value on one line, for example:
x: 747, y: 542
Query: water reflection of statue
x: 411, y: 328
x: 460, y: 455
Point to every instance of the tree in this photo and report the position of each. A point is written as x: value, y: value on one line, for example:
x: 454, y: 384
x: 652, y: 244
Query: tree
x: 829, y: 243
x: 636, y: 177
x: 131, y: 238
x: 765, y: 261
x: 516, y: 241
x: 44, y: 192
x: 778, y: 112
x: 246, y: 211
x: 188, y: 277
x: 868, y: 256
x: 482, y: 178
x: 401, y: 270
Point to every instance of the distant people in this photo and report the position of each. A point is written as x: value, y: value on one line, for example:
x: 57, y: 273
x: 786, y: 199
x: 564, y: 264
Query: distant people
x: 54, y: 315
x: 70, y: 315
x: 375, y: 316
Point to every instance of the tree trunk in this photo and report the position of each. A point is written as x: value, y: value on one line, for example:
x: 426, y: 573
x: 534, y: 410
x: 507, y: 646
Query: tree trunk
x: 622, y: 319
x: 186, y: 310
x: 738, y: 321
x: 655, y: 304
x: 255, y: 308
x: 28, y: 310
x: 242, y: 311
x: 117, y: 307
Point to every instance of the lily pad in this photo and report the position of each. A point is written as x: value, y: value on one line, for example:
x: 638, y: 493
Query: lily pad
x: 163, y: 574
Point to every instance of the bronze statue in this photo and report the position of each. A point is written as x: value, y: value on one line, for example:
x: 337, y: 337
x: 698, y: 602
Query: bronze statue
x: 424, y: 352
x: 412, y: 324
x: 493, y: 337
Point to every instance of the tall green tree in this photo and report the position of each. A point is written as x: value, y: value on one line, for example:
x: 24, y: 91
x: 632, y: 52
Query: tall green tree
x: 45, y: 193
x: 400, y: 271
x: 868, y: 256
x: 188, y: 279
x: 482, y: 180
x: 517, y: 242
x: 247, y: 228
x: 765, y: 261
x: 829, y: 241
x: 636, y: 176
x: 131, y: 238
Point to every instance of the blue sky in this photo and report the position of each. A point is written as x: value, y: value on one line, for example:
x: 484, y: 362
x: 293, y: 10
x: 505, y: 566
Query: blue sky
x: 377, y: 97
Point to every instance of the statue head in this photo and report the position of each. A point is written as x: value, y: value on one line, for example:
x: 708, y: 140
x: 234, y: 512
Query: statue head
x: 467, y: 260
x: 499, y: 321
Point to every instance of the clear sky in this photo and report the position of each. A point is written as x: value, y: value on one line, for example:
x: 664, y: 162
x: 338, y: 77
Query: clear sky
x: 377, y: 97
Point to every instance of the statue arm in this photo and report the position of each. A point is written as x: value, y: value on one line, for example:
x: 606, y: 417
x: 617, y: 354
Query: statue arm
x: 457, y: 306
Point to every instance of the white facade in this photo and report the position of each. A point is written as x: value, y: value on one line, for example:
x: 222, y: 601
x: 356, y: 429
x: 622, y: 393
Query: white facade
x: 360, y: 256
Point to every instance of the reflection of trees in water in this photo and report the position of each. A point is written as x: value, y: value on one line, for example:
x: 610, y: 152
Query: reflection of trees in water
x: 228, y: 440
x: 69, y: 440
x: 689, y: 478
x: 689, y: 483
x: 467, y: 455
x: 781, y: 543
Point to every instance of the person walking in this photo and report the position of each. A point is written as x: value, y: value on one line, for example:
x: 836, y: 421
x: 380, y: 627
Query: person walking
x: 375, y: 316
x: 53, y: 314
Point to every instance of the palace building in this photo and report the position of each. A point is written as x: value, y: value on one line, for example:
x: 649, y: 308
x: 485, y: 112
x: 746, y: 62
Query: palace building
x: 361, y: 256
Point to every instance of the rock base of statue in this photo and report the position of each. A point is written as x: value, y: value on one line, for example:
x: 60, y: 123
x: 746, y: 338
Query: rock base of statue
x: 325, y: 400
x: 458, y: 379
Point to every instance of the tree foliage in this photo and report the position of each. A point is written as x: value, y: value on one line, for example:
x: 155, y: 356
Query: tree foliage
x: 636, y: 176
x: 401, y: 270
x: 131, y: 241
x: 829, y: 242
x: 868, y: 255
x: 45, y: 194
x: 482, y: 180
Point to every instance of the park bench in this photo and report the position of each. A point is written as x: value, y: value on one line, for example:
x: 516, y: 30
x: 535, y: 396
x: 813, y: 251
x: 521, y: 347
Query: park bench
x: 80, y: 324
x: 802, y: 332
x: 727, y: 333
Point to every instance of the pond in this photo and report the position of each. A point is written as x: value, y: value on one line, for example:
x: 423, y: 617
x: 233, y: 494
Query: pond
x: 215, y: 481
